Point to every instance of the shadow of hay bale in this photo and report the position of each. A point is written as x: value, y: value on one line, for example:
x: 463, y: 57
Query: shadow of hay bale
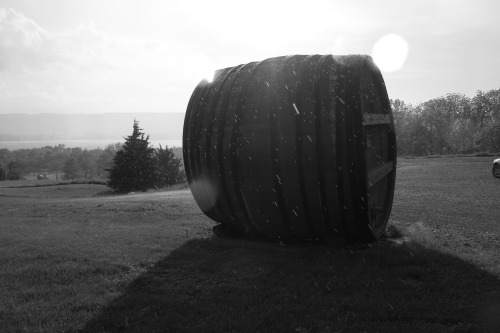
x: 234, y: 285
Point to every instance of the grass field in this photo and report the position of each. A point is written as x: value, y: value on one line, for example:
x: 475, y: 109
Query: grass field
x: 76, y: 259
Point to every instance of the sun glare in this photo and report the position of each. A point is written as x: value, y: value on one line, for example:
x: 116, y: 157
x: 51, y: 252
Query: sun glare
x: 389, y: 52
x: 198, y: 67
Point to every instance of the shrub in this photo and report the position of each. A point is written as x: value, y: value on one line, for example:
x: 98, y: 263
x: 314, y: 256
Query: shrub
x: 169, y: 168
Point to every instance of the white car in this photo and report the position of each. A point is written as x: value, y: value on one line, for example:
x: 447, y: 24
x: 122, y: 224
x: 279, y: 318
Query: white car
x: 496, y: 168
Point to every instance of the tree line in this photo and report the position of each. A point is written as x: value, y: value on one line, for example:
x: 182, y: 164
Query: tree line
x: 130, y: 166
x: 451, y: 124
x: 60, y: 161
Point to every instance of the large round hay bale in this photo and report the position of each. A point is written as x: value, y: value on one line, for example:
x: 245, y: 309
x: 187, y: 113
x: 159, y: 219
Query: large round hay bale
x: 298, y: 146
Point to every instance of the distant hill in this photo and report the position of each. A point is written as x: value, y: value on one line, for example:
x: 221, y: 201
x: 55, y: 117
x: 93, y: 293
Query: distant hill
x: 21, y: 127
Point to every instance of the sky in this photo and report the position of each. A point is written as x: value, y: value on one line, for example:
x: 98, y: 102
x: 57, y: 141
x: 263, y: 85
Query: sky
x: 99, y: 56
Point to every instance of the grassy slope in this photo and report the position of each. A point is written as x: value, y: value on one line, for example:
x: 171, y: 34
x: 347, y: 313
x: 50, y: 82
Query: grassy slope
x: 452, y: 202
x: 73, y: 259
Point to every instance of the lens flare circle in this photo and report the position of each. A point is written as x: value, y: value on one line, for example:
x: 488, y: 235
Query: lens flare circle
x: 390, y: 52
x: 205, y: 193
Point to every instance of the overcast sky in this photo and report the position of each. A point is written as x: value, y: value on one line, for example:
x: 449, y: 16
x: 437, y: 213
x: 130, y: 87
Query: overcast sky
x: 95, y: 56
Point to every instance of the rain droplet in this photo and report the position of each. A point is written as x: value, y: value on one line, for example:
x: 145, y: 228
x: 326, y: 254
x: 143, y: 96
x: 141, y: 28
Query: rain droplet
x: 295, y: 107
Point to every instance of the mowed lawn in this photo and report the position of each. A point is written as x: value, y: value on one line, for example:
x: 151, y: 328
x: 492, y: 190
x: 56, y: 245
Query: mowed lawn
x: 76, y: 259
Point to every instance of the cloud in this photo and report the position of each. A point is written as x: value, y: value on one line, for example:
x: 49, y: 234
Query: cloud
x: 21, y: 41
x: 26, y: 46
x: 82, y: 70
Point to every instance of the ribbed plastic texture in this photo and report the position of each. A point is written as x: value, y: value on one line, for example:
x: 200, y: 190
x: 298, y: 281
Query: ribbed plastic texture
x: 297, y: 146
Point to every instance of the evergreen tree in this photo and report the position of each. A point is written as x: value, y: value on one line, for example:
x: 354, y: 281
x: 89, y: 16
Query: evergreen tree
x: 134, y: 166
x: 169, y: 167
